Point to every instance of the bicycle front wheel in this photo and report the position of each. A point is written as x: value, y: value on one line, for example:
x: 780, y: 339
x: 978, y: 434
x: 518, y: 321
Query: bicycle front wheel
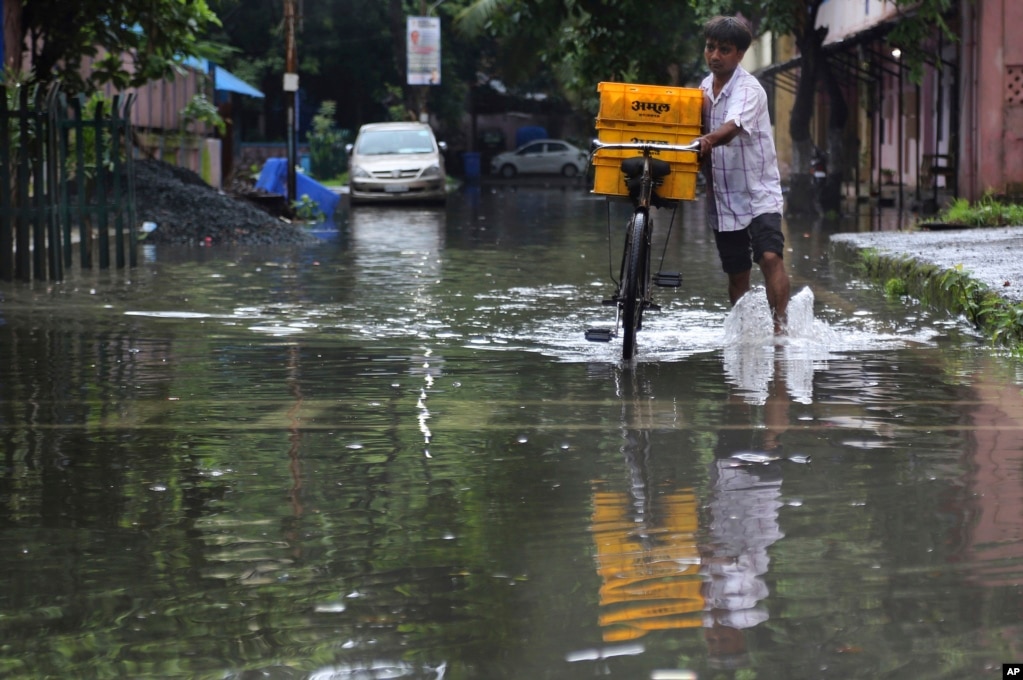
x: 633, y: 283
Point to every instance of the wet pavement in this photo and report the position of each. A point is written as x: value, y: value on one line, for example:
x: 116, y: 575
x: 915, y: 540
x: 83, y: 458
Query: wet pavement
x: 992, y: 256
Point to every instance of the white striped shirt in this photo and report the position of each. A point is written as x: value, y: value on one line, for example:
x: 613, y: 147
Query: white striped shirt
x: 744, y: 178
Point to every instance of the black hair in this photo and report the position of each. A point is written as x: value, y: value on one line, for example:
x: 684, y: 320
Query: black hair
x: 731, y: 30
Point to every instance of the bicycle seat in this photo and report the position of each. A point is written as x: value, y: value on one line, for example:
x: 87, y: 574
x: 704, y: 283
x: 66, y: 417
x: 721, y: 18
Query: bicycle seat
x: 633, y: 167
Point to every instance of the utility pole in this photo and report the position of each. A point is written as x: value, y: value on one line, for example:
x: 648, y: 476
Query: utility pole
x: 422, y: 91
x: 290, y: 91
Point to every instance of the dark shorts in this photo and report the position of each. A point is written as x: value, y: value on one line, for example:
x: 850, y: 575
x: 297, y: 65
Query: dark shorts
x: 740, y: 249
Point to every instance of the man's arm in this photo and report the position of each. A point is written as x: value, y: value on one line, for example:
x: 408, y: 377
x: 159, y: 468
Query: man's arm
x: 724, y: 134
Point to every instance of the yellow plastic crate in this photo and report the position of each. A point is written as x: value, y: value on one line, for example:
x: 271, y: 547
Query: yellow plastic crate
x: 680, y: 185
x: 638, y: 133
x: 650, y: 104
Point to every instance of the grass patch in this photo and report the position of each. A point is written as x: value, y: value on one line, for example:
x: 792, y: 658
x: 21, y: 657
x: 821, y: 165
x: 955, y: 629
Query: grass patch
x: 950, y: 289
x: 895, y: 287
x: 987, y: 212
x: 335, y: 182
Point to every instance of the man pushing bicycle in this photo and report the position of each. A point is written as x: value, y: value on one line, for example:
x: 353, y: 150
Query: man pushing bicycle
x: 744, y: 199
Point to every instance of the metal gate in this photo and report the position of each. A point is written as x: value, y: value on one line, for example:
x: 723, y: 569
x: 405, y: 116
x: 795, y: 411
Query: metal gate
x: 66, y: 180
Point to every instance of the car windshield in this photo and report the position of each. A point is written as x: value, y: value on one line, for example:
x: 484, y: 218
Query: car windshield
x: 384, y: 142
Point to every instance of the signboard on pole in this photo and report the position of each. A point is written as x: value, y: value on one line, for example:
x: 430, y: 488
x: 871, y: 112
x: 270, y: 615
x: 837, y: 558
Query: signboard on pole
x: 422, y: 45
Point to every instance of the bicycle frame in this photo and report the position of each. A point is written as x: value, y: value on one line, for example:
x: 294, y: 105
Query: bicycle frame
x: 633, y: 294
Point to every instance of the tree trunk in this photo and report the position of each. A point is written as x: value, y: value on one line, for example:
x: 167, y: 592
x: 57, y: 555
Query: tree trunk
x: 831, y: 195
x: 802, y: 199
x: 11, y: 53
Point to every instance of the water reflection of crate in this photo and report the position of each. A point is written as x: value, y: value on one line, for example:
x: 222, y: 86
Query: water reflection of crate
x: 649, y: 104
x: 638, y: 133
x: 609, y: 179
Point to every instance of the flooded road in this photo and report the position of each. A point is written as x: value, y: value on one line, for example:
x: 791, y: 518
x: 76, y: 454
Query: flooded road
x: 394, y: 455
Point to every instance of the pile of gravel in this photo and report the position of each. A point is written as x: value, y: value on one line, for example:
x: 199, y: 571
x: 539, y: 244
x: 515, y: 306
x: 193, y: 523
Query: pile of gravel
x: 188, y: 211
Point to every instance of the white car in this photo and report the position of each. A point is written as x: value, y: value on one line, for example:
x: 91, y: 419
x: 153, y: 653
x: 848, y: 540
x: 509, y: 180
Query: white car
x: 396, y: 162
x: 541, y: 156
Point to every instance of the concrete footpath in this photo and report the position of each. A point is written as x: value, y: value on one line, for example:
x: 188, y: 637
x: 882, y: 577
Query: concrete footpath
x: 992, y: 256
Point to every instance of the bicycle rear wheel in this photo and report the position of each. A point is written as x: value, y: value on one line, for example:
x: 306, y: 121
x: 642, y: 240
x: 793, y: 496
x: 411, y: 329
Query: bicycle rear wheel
x: 633, y: 288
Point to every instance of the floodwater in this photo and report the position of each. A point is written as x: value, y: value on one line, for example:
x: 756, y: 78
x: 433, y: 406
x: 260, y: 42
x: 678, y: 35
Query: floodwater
x: 394, y: 455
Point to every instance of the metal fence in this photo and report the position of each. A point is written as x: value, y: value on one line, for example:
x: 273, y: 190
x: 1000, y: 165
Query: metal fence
x: 66, y: 180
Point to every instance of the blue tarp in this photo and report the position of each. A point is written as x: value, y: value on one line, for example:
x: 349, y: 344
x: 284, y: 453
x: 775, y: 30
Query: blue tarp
x: 273, y: 178
x: 528, y: 133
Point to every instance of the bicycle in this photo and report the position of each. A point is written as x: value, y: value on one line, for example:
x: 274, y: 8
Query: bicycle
x: 633, y: 293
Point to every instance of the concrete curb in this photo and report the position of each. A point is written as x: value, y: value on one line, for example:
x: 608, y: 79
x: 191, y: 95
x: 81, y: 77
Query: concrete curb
x: 991, y: 256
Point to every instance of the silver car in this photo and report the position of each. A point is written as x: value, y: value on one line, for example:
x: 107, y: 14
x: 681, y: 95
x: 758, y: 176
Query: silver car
x: 396, y: 162
x: 541, y: 156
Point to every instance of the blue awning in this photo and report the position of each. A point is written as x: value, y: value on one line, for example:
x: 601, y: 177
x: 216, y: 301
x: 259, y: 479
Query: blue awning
x: 224, y: 80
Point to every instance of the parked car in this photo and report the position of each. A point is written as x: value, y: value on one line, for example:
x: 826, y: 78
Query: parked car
x: 396, y: 162
x: 550, y: 156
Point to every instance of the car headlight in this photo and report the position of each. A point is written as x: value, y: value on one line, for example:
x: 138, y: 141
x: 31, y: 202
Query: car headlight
x: 357, y: 171
x: 432, y: 171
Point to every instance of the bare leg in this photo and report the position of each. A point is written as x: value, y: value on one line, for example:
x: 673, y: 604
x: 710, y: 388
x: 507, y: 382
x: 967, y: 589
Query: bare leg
x: 776, y: 280
x: 738, y: 284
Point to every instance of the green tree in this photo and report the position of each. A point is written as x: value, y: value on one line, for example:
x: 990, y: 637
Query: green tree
x: 344, y: 49
x: 575, y: 44
x: 154, y: 35
x: 327, y: 158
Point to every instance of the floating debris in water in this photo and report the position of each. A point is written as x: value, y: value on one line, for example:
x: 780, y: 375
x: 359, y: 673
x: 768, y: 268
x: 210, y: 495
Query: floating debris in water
x: 755, y: 457
x: 763, y: 458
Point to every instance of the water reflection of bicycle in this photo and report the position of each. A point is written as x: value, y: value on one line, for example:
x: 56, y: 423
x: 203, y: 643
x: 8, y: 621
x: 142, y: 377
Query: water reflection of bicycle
x: 646, y: 553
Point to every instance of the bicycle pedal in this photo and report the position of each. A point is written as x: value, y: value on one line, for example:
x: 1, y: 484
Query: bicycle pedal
x: 652, y: 306
x: 610, y: 302
x: 668, y: 279
x: 599, y: 334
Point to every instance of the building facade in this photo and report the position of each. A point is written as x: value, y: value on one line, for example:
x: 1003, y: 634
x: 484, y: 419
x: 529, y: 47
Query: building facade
x: 956, y: 130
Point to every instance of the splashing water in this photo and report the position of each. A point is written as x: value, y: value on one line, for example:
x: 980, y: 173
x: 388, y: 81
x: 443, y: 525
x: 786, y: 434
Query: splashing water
x: 753, y: 354
x: 750, y: 323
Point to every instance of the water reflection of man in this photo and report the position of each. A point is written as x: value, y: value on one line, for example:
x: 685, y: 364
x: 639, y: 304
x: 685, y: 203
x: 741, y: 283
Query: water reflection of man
x: 742, y: 523
x: 743, y: 509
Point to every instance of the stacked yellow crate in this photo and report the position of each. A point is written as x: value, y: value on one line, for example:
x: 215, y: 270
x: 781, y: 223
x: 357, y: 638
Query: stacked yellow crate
x: 647, y: 113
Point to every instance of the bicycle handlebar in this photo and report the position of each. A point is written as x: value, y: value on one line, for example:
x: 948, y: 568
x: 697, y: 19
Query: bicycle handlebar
x: 596, y: 145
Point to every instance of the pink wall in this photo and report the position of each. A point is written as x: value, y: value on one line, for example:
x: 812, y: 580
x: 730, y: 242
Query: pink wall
x: 992, y: 97
x: 1012, y: 93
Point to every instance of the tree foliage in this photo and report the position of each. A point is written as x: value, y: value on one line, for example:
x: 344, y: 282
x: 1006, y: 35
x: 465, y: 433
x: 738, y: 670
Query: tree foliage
x: 577, y: 43
x: 351, y: 52
x: 153, y: 36
x: 327, y: 155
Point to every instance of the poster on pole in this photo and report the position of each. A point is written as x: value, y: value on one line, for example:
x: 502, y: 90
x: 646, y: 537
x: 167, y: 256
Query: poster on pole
x: 422, y: 44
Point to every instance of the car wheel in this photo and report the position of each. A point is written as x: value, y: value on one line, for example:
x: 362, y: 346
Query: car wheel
x: 508, y: 170
x: 569, y: 170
